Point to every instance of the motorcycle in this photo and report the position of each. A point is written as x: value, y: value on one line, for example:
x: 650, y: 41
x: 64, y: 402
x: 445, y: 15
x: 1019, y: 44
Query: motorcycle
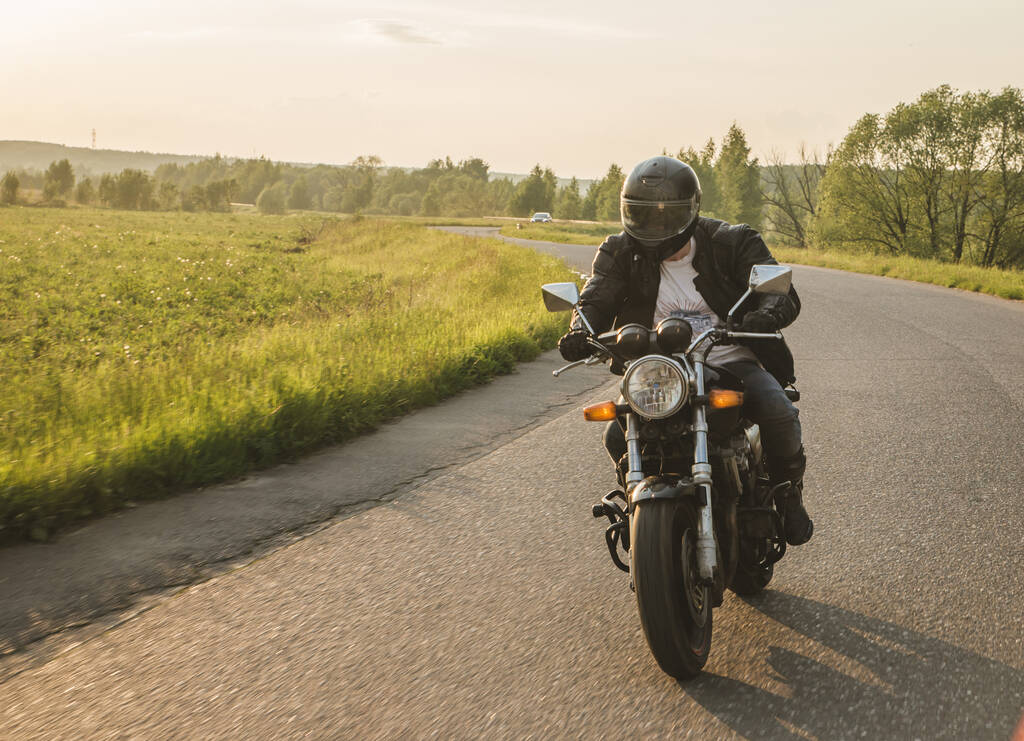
x: 696, y: 513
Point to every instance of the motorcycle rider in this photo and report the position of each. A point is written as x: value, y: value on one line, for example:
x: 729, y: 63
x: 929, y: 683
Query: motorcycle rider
x: 670, y: 261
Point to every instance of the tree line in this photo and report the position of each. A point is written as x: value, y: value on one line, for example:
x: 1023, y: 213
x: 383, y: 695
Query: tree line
x: 941, y: 177
x: 442, y: 188
x: 130, y: 189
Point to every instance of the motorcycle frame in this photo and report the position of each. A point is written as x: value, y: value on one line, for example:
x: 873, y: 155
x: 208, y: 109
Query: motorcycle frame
x: 707, y: 549
x: 693, y: 360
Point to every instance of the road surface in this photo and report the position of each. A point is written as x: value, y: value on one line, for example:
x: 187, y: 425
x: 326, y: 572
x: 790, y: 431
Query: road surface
x: 481, y: 602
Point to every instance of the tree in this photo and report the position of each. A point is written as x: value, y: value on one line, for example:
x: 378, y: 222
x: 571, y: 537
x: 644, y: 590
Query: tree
x: 970, y: 160
x: 475, y: 168
x: 703, y: 164
x: 108, y: 189
x: 299, y: 196
x: 737, y: 178
x: 333, y: 197
x: 602, y: 200
x: 535, y: 193
x: 218, y: 195
x: 791, y: 193
x: 9, y: 187
x: 85, y: 193
x: 926, y: 129
x: 569, y: 204
x: 193, y: 199
x: 359, y: 192
x: 404, y: 204
x: 272, y: 199
x: 134, y: 190
x: 58, y: 180
x: 168, y: 198
x: 1000, y: 222
x: 865, y: 193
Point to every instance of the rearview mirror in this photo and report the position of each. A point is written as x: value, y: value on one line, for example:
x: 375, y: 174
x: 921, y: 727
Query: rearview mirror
x: 771, y: 279
x: 560, y: 296
x: 764, y: 279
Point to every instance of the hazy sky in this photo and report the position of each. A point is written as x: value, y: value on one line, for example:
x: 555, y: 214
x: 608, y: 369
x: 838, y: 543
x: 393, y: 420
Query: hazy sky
x: 571, y: 84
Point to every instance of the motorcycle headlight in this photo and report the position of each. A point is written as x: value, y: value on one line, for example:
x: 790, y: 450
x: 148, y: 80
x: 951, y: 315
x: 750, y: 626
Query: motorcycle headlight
x: 655, y: 387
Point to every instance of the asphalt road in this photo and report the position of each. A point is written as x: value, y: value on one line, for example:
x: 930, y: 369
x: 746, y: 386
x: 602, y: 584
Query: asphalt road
x: 481, y: 603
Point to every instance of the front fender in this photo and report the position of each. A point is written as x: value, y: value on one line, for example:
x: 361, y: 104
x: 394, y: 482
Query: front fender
x: 661, y: 487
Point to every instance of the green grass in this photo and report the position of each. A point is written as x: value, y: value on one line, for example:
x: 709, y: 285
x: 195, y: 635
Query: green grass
x: 142, y: 353
x: 1003, y: 283
x: 452, y: 220
x: 994, y: 281
x: 571, y: 232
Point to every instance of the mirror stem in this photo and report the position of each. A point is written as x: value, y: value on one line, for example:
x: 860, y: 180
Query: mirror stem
x: 583, y: 318
x: 744, y: 297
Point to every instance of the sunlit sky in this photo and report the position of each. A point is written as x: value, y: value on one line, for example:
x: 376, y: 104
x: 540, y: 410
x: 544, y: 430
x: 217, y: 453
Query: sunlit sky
x: 571, y: 84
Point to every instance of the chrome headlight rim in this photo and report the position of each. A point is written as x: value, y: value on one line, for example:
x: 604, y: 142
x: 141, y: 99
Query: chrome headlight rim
x: 676, y: 366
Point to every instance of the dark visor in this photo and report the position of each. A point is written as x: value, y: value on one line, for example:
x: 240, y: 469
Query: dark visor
x: 656, y: 220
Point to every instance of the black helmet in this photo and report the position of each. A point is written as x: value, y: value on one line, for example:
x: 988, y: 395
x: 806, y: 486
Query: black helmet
x: 660, y: 199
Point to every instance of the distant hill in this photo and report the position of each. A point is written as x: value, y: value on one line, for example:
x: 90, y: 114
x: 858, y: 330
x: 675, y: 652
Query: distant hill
x: 27, y: 155
x: 516, y: 177
x: 18, y: 155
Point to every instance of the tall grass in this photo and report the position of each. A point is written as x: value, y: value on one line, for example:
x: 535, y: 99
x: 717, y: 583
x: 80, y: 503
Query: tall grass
x: 1003, y: 283
x: 146, y: 352
x: 994, y: 281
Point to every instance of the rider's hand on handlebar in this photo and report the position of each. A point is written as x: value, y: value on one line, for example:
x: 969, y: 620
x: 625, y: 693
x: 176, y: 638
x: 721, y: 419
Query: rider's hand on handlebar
x: 574, y: 346
x: 759, y: 321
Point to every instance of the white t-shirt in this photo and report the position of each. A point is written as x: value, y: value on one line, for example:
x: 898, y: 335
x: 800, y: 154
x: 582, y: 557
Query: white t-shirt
x: 677, y: 296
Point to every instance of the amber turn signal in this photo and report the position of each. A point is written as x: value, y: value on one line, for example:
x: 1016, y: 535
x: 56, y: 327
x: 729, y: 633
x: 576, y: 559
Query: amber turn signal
x: 600, y: 412
x: 724, y: 398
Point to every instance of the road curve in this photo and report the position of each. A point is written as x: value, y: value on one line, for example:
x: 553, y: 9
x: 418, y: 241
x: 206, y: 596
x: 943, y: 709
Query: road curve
x: 483, y: 604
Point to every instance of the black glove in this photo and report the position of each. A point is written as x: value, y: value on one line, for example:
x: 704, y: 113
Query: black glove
x: 760, y: 321
x: 573, y: 345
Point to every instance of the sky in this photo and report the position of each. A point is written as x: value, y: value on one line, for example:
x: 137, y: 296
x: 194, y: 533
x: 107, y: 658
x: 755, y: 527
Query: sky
x: 571, y: 84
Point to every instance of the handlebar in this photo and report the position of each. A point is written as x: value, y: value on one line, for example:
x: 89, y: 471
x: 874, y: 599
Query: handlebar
x: 716, y: 335
x: 727, y: 334
x: 592, y: 360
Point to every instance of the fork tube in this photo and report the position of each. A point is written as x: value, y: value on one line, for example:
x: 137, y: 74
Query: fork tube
x: 636, y: 466
x: 707, y: 559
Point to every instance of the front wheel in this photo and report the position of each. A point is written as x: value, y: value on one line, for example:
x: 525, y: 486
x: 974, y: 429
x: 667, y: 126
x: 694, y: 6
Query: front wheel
x: 675, y: 608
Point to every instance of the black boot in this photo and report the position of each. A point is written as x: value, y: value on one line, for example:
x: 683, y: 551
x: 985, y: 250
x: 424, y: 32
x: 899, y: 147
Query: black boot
x: 790, y: 472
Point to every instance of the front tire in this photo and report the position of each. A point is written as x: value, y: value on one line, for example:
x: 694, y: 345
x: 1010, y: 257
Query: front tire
x: 675, y: 608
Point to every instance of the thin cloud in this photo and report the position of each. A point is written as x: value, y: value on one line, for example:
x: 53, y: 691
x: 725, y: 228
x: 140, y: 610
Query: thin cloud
x: 403, y: 33
x: 390, y: 31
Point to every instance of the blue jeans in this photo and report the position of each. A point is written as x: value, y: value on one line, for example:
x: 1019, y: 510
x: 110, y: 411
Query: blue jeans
x: 764, y: 402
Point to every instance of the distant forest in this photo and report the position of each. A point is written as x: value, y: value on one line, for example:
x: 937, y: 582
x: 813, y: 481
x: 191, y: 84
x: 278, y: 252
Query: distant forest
x: 941, y: 177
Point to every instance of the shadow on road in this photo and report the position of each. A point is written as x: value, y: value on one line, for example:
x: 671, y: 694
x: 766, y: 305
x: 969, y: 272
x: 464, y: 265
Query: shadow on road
x: 920, y: 687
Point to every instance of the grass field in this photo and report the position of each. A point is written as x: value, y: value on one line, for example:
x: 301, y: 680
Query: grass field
x: 1003, y: 283
x: 146, y: 352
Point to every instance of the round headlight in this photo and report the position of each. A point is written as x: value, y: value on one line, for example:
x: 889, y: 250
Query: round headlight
x: 655, y: 387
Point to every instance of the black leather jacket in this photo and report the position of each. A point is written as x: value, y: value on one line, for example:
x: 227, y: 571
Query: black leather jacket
x: 626, y: 275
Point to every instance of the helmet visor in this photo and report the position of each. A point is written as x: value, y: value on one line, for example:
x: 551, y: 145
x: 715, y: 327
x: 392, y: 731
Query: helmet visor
x: 655, y: 221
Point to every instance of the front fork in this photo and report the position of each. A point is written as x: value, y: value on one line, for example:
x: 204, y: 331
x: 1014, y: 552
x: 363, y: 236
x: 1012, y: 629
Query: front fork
x: 707, y: 552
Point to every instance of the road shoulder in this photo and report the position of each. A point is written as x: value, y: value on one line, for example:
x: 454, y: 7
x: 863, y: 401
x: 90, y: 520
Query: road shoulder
x: 56, y: 594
